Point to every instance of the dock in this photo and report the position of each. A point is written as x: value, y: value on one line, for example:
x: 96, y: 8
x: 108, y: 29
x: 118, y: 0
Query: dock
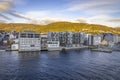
x: 71, y: 48
x: 2, y: 50
x: 102, y: 50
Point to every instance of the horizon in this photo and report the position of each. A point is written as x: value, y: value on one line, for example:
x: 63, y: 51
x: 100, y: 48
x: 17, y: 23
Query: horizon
x: 41, y: 12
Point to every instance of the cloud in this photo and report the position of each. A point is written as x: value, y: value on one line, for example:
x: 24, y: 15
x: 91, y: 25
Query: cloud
x: 5, y: 6
x: 88, y: 5
x: 2, y: 21
x: 95, y: 7
x: 114, y: 20
x: 101, y: 20
x: 37, y: 14
x: 19, y: 15
x: 81, y: 20
x: 45, y: 21
x: 5, y: 17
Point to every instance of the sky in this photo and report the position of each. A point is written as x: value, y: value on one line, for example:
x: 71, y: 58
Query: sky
x: 104, y: 12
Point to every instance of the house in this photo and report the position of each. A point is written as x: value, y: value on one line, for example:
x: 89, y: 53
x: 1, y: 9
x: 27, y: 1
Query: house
x: 29, y: 41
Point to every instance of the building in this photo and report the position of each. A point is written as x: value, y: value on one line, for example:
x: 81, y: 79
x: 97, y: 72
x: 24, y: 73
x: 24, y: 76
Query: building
x: 29, y: 41
x: 97, y: 39
x: 109, y: 37
x: 82, y: 38
x: 53, y: 36
x: 53, y: 45
x: 76, y: 39
x: 116, y: 39
x: 89, y: 40
x: 63, y: 39
x: 14, y: 47
x: 94, y: 40
x: 43, y: 41
x: 2, y: 35
x: 66, y: 39
x: 69, y: 39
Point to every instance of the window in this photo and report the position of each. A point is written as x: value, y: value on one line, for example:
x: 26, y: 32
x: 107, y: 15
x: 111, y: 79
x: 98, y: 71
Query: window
x: 37, y: 36
x: 30, y: 35
x: 23, y: 35
x: 32, y: 45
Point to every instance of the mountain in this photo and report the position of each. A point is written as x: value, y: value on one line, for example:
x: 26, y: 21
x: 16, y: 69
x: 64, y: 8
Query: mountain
x: 60, y: 27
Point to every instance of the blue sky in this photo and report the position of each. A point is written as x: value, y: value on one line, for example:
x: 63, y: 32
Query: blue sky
x: 105, y: 12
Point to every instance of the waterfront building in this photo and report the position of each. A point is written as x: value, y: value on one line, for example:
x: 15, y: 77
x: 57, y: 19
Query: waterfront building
x: 82, y: 38
x: 53, y: 36
x: 14, y: 47
x: 29, y: 41
x: 76, y: 39
x: 63, y: 39
x: 69, y: 39
x: 89, y: 40
x: 43, y: 41
x: 66, y: 39
x: 109, y: 37
x: 12, y: 35
x: 53, y: 45
x: 94, y: 40
x: 5, y: 40
x: 116, y: 39
x: 97, y: 40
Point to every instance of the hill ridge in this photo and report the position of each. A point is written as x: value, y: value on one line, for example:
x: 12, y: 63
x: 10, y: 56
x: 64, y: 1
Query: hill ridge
x: 60, y: 27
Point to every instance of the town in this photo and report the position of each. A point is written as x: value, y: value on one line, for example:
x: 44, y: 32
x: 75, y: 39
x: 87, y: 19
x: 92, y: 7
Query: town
x: 51, y: 41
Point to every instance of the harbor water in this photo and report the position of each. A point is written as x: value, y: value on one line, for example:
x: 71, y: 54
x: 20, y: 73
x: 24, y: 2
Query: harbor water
x: 60, y: 65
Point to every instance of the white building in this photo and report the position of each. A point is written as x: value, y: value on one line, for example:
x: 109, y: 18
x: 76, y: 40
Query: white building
x: 53, y: 45
x: 29, y: 41
x: 94, y: 40
x: 97, y: 40
x: 89, y: 40
x: 14, y: 47
x: 116, y: 38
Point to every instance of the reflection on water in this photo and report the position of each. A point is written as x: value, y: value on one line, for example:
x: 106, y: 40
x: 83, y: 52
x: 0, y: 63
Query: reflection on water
x: 60, y: 65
